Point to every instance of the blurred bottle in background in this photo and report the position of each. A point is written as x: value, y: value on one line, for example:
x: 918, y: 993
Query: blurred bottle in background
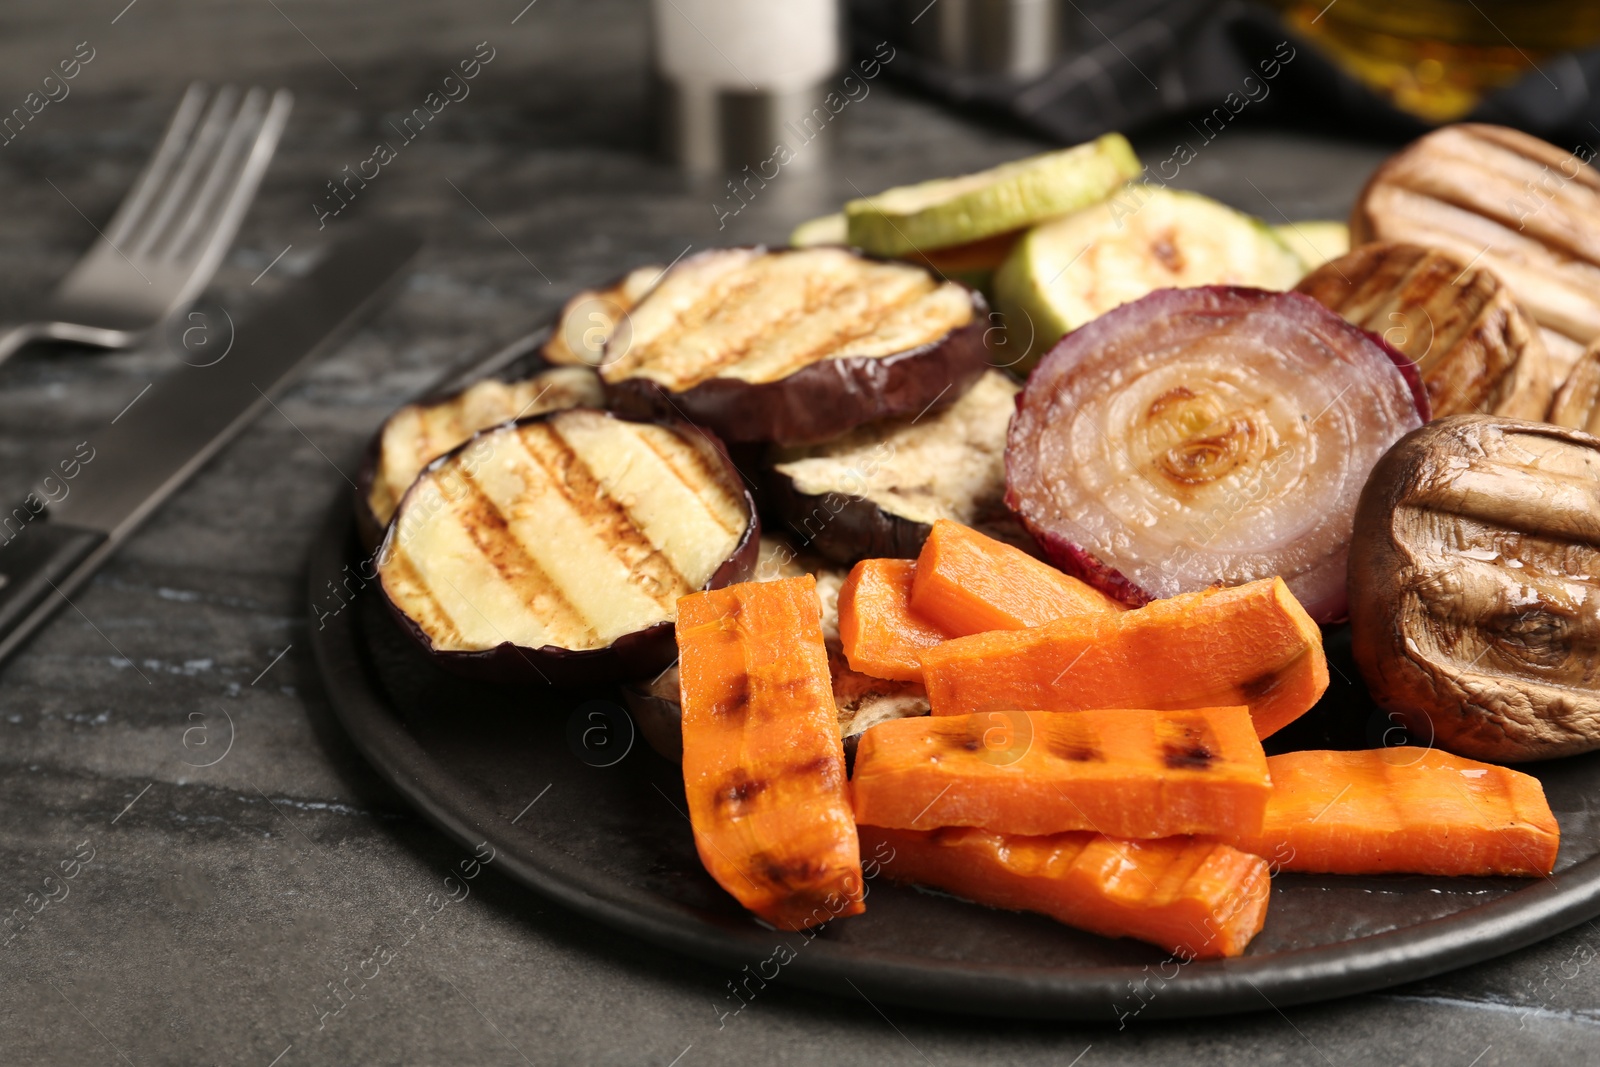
x: 739, y: 78
x: 1437, y: 58
x: 1016, y: 39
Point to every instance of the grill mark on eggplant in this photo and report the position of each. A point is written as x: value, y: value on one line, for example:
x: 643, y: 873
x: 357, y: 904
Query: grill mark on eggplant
x: 417, y: 434
x: 705, y: 475
x: 819, y: 301
x: 882, y: 307
x: 649, y: 569
x: 859, y: 301
x: 735, y: 293
x: 420, y: 602
x: 500, y: 546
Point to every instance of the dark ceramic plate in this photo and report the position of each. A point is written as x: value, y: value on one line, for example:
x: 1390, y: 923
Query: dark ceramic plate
x: 579, y: 809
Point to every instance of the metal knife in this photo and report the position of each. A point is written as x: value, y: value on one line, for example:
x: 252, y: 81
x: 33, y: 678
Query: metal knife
x: 170, y: 432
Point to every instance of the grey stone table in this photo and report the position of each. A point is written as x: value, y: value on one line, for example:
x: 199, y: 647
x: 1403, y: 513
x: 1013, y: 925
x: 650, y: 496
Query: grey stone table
x: 222, y: 901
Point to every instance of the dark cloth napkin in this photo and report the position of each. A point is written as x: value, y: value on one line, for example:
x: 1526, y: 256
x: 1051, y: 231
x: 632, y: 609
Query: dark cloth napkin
x: 1142, y: 61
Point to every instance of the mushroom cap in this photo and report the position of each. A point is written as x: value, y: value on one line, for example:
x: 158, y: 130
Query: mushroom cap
x: 1475, y: 587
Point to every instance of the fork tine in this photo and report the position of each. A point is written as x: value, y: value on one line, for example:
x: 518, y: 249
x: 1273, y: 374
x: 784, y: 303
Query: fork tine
x: 199, y: 151
x: 241, y: 134
x: 154, y: 176
x: 209, y: 232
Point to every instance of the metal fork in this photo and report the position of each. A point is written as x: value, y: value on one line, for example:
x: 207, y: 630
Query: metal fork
x: 170, y: 234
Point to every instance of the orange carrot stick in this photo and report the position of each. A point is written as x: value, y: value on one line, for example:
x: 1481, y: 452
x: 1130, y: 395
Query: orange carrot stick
x: 878, y: 631
x: 967, y: 583
x: 1197, y: 900
x: 1251, y: 644
x: 1403, y: 811
x: 1126, y: 773
x: 763, y: 766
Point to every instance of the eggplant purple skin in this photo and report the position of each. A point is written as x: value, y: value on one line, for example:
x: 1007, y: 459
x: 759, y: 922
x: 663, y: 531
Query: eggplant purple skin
x: 640, y: 654
x: 847, y: 529
x: 659, y: 719
x: 827, y: 398
x: 368, y: 529
x: 844, y: 529
x: 1084, y: 565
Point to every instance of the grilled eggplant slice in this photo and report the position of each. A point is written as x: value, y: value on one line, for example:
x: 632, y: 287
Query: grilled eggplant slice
x: 555, y: 548
x: 1476, y: 349
x: 1577, y: 402
x: 420, y: 433
x: 863, y: 701
x: 795, y: 346
x: 877, y: 490
x: 1523, y: 208
x: 592, y: 317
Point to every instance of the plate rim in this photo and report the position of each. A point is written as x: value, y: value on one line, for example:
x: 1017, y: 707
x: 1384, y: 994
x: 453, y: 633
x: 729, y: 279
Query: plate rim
x: 1210, y: 987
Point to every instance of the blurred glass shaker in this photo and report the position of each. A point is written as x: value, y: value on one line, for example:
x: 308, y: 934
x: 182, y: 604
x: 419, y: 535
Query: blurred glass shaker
x: 1016, y: 39
x: 740, y: 77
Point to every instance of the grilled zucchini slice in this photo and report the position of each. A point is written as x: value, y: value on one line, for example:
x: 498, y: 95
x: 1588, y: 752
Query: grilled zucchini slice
x: 1067, y: 272
x: 956, y: 211
x: 556, y: 548
x: 827, y: 230
x: 1315, y: 241
x: 795, y: 346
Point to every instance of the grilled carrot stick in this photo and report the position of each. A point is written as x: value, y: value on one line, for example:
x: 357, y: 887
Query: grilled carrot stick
x: 763, y: 765
x: 1126, y: 773
x: 967, y: 583
x: 1403, y: 811
x: 880, y: 634
x: 1196, y: 899
x: 1251, y: 644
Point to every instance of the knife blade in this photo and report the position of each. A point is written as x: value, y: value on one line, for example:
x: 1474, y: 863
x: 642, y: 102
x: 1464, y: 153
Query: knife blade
x: 169, y: 432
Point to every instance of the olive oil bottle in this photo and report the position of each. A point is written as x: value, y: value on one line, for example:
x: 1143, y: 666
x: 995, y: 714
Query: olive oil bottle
x: 1437, y: 58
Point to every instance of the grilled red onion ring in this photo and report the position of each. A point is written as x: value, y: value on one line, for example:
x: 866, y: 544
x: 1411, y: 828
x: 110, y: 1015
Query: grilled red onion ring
x: 1207, y: 436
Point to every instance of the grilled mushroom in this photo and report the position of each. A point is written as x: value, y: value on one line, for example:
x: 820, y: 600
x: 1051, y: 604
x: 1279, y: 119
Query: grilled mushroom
x: 1525, y: 209
x: 1577, y: 402
x: 1475, y: 587
x: 1475, y: 347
